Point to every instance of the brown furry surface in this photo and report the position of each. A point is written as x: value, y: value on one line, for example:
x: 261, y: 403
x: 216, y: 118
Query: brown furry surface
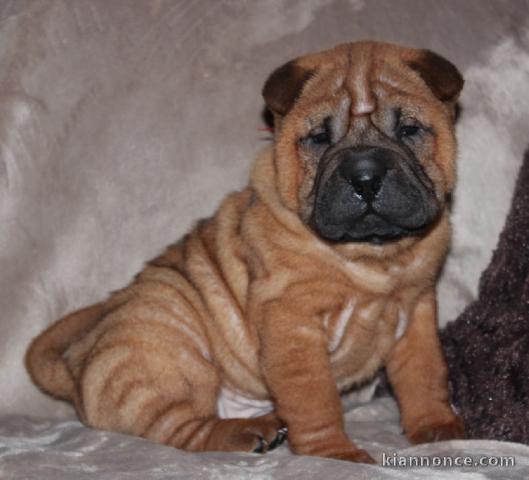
x: 487, y: 347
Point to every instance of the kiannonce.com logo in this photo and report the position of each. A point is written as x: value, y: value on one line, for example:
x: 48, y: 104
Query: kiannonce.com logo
x: 419, y: 461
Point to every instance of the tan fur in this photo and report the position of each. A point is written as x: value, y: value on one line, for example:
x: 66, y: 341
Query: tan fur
x: 254, y: 302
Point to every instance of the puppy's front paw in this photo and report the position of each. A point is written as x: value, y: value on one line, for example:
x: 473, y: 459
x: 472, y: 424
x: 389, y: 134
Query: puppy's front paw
x: 358, y: 456
x: 450, y: 429
x: 338, y: 450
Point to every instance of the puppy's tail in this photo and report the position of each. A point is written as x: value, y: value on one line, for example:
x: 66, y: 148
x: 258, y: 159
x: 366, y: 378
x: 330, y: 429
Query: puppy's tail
x: 44, y: 360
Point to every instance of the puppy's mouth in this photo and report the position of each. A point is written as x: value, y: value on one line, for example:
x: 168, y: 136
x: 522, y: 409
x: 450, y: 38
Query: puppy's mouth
x: 384, y: 232
x: 370, y: 228
x: 373, y: 195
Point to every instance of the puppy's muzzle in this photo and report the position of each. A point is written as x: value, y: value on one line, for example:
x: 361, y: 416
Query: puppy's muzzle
x: 372, y: 194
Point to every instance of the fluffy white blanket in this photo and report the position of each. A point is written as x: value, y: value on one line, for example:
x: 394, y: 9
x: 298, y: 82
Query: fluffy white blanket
x: 60, y: 450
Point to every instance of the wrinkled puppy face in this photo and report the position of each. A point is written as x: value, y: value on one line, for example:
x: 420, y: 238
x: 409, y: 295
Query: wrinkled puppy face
x: 364, y: 139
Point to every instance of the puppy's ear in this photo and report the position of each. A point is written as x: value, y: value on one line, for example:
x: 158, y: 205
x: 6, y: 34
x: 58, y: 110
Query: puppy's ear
x: 283, y: 87
x: 440, y: 75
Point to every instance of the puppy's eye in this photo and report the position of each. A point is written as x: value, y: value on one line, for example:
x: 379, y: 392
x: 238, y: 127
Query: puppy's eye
x: 408, y: 131
x: 319, y: 137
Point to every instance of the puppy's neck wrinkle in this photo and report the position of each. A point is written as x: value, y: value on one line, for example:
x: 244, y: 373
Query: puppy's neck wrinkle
x: 262, y: 180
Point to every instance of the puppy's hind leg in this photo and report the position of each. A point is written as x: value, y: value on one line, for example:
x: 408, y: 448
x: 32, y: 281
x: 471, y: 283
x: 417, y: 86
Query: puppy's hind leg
x: 179, y: 426
x: 140, y: 388
x: 258, y: 435
x: 186, y: 425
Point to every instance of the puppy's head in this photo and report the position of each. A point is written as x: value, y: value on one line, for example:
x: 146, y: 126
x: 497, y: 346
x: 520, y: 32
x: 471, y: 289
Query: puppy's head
x: 364, y: 139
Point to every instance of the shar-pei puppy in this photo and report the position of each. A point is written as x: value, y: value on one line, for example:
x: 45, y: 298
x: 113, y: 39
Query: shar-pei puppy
x: 302, y: 285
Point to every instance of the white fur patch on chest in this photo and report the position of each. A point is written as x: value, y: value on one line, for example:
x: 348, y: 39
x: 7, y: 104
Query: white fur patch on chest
x: 340, y: 325
x: 401, y: 325
x: 232, y: 404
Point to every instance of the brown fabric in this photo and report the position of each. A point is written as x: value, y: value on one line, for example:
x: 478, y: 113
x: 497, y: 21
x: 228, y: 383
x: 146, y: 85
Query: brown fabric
x: 487, y: 347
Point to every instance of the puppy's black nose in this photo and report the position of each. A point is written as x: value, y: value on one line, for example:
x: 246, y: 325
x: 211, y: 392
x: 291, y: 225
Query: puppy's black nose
x: 365, y: 169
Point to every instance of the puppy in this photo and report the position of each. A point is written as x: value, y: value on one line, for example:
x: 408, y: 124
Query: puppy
x: 301, y: 286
